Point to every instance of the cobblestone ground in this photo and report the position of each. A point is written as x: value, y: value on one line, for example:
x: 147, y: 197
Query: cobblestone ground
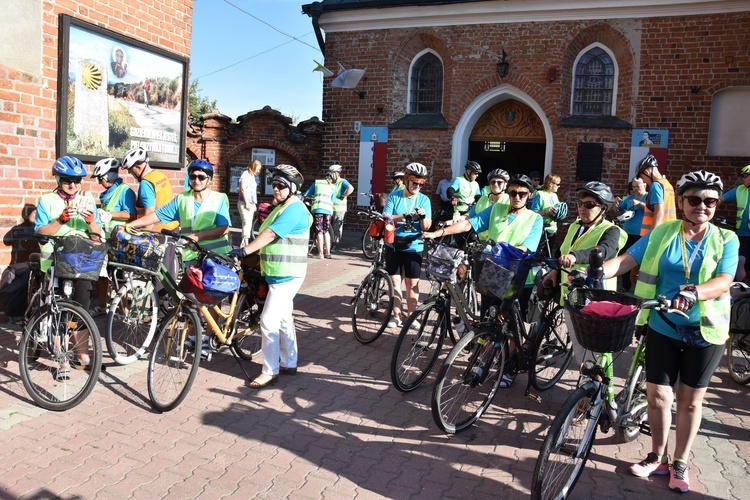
x: 336, y: 430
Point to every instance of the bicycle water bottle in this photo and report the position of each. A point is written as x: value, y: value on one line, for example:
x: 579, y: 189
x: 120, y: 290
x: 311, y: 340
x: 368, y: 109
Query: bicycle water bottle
x: 596, y: 269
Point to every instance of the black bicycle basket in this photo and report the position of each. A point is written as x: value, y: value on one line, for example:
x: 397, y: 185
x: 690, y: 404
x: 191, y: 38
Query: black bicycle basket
x: 602, y: 334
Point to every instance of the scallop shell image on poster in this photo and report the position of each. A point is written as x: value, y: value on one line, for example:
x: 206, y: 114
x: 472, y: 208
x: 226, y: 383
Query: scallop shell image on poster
x: 91, y: 76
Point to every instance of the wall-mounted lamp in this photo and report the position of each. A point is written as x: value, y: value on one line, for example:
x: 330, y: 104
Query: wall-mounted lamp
x: 503, y: 66
x: 361, y: 93
x: 695, y: 89
x: 552, y: 74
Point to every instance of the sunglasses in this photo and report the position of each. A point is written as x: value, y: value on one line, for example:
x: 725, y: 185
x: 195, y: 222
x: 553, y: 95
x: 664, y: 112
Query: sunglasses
x: 497, y: 183
x: 201, y: 178
x: 415, y: 183
x: 743, y: 176
x: 279, y: 185
x: 518, y: 194
x: 70, y: 180
x: 697, y: 200
x: 588, y: 205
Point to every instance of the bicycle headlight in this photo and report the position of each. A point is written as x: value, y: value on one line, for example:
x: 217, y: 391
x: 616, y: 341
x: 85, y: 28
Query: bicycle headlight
x: 67, y: 288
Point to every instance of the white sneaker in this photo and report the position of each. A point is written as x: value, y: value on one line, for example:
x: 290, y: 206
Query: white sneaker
x: 394, y: 323
x: 415, y: 324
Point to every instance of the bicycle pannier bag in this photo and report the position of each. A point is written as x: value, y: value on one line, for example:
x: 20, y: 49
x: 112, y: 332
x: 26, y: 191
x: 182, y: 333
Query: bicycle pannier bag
x: 135, y: 248
x: 79, y: 258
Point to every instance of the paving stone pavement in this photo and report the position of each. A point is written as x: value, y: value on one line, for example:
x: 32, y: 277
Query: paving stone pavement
x: 336, y: 430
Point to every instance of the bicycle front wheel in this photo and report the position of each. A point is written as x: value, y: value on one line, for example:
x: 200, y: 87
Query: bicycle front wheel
x: 634, y: 403
x: 373, y: 306
x: 246, y: 329
x: 552, y: 350
x: 566, y: 447
x: 132, y: 321
x: 173, y: 363
x: 738, y: 357
x: 468, y: 380
x: 369, y: 245
x: 418, y: 346
x: 54, y: 343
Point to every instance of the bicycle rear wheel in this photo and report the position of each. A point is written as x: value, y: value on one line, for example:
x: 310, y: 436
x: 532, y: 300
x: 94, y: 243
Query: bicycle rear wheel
x: 373, y: 306
x: 468, y: 380
x: 246, y: 329
x: 552, y: 350
x: 55, y: 339
x: 132, y: 320
x: 633, y: 402
x: 738, y: 357
x: 172, y: 366
x: 566, y: 447
x: 369, y: 245
x: 418, y: 345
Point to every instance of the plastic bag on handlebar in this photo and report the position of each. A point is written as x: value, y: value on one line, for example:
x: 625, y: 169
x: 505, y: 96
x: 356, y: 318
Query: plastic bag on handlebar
x: 218, y: 277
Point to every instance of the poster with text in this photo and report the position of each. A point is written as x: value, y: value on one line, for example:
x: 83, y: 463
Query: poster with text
x: 648, y: 141
x: 373, y: 153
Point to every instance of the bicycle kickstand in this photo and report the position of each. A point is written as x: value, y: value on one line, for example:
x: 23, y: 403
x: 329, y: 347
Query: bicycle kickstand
x: 239, y: 362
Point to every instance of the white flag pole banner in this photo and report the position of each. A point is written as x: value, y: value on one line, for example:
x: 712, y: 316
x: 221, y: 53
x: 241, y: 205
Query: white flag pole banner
x: 373, y: 153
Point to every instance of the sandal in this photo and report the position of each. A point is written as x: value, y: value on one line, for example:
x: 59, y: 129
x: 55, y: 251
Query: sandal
x: 506, y: 381
x: 287, y: 371
x: 63, y: 373
x: 254, y: 384
x: 80, y: 365
x: 328, y: 256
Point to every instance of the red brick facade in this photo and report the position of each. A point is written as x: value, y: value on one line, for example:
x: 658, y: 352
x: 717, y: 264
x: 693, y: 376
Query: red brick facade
x: 29, y: 100
x: 658, y: 59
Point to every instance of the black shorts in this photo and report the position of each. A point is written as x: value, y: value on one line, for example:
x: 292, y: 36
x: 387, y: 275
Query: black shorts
x: 407, y: 263
x: 667, y: 359
x: 744, y: 247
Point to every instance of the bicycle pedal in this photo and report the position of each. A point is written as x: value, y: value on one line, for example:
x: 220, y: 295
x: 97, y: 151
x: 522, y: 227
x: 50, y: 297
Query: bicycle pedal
x: 533, y: 397
x: 645, y: 428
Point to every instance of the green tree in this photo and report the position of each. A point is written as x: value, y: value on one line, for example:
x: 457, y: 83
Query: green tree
x: 198, y: 104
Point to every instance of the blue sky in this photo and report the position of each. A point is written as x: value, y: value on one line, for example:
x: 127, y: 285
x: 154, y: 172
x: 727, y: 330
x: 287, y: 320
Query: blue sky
x: 282, y: 77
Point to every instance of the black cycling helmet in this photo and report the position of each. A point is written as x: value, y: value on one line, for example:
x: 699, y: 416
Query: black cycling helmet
x: 201, y: 164
x: 649, y: 161
x: 698, y: 179
x: 474, y: 166
x: 290, y: 176
x: 600, y: 191
x: 521, y: 180
x: 498, y: 173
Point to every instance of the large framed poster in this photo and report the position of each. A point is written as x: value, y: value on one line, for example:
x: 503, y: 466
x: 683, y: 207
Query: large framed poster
x: 116, y: 93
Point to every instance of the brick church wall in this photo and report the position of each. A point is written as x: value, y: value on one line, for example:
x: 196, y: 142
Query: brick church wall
x: 659, y: 60
x: 28, y: 110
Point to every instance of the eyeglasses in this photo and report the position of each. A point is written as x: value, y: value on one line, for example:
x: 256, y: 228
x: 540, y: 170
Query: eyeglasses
x: 497, y: 183
x: 419, y: 184
x: 697, y: 200
x: 70, y: 180
x: 535, y: 179
x: 588, y: 205
x: 518, y: 194
x: 201, y: 178
x: 279, y: 185
x: 554, y: 183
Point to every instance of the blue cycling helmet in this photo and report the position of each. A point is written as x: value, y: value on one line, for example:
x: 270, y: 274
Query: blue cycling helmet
x: 69, y: 166
x: 200, y: 164
x: 561, y: 211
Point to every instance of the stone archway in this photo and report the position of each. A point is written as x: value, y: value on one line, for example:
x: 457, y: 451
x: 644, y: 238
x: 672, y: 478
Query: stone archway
x: 486, y: 119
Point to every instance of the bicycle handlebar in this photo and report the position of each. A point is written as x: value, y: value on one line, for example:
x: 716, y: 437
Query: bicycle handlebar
x: 661, y: 303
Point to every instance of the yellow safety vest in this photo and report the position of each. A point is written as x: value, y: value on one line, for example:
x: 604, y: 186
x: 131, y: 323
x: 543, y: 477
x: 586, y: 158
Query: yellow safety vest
x: 483, y: 204
x: 285, y: 257
x: 741, y: 204
x: 339, y: 205
x: 466, y: 192
x: 715, y: 313
x: 110, y: 206
x: 513, y: 232
x: 322, y: 197
x: 54, y: 206
x: 205, y: 218
x: 589, y: 239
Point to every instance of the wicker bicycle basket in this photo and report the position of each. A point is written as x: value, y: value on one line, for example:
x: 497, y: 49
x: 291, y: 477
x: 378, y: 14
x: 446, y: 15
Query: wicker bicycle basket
x: 602, y: 334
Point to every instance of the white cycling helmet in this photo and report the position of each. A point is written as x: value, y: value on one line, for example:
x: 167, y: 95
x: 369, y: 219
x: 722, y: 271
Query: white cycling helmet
x: 104, y: 166
x: 626, y: 215
x: 698, y: 179
x: 416, y: 169
x: 134, y: 157
x: 335, y: 169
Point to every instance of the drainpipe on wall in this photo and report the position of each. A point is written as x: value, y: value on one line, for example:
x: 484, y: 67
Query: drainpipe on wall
x: 316, y: 10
